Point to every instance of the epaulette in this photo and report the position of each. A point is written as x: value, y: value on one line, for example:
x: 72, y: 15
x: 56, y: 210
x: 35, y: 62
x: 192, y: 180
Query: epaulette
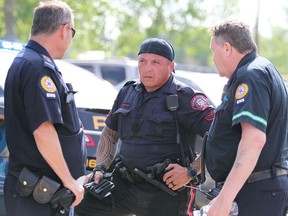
x: 48, y: 62
x: 130, y: 82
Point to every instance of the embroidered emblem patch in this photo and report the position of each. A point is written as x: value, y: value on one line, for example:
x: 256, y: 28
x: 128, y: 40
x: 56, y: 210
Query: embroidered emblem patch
x: 47, y: 84
x: 200, y: 102
x: 241, y: 91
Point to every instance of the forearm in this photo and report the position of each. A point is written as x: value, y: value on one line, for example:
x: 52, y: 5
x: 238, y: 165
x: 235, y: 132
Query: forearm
x: 48, y: 144
x: 250, y: 147
x: 107, y: 147
x: 243, y: 166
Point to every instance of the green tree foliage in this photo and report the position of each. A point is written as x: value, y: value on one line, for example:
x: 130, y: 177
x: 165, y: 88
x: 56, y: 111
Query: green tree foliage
x: 2, y: 17
x: 276, y: 49
x: 172, y: 20
x: 96, y: 22
x: 23, y: 18
x: 118, y: 27
x: 90, y: 21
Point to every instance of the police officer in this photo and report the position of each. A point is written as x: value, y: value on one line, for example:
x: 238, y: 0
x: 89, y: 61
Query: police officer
x: 246, y: 150
x: 44, y: 132
x: 147, y: 127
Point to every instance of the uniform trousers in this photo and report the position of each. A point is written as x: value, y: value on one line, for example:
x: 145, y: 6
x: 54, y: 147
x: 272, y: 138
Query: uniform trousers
x: 264, y: 198
x: 25, y: 206
x: 135, y: 199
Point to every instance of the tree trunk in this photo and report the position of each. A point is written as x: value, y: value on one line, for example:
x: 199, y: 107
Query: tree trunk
x: 9, y: 20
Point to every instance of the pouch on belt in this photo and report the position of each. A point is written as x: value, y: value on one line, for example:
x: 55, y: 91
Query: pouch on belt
x: 45, y: 189
x: 26, y: 182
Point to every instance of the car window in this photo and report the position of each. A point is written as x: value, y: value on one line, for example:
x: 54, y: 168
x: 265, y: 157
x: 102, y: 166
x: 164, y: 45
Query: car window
x: 1, y: 92
x: 87, y: 67
x: 113, y: 74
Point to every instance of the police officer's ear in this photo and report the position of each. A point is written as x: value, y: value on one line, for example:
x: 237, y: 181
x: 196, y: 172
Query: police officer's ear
x: 227, y: 48
x: 171, y: 66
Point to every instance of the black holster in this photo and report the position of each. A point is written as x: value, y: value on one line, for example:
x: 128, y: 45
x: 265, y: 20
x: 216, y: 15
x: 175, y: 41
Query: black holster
x: 62, y: 198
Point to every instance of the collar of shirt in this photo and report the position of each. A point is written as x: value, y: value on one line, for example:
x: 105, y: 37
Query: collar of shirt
x: 245, y: 60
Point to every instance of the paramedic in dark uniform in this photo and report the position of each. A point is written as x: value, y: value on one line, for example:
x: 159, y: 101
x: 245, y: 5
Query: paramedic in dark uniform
x: 147, y: 129
x: 247, y: 147
x: 44, y: 132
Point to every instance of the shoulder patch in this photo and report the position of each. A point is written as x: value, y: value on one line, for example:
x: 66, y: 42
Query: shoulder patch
x: 241, y: 91
x: 199, y: 102
x: 48, y: 87
x: 47, y: 84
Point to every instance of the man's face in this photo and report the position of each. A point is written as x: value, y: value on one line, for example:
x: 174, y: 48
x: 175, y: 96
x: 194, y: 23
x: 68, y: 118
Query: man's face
x: 218, y: 56
x: 154, y: 70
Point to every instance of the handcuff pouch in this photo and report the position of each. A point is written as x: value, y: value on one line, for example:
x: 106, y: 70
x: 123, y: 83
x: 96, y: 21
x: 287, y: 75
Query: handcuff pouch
x: 26, y: 182
x: 45, y: 189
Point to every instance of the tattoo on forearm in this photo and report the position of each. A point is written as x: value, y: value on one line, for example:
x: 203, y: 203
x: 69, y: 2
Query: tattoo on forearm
x: 107, y: 146
x: 239, y: 157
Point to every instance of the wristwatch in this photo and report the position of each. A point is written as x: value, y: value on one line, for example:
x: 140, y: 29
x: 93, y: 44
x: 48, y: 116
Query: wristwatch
x: 192, y: 172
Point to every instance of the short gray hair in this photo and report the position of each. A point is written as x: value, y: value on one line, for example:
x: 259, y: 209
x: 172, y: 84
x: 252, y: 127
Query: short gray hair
x: 236, y: 33
x: 49, y: 15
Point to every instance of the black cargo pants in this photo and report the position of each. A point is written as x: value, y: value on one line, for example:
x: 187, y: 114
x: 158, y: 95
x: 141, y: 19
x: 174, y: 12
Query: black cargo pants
x: 141, y: 199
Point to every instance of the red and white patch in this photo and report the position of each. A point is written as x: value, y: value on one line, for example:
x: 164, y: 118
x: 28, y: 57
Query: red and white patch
x: 199, y: 102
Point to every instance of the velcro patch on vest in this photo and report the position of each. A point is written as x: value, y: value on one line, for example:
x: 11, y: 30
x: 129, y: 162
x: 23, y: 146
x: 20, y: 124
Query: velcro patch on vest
x: 48, y: 87
x: 199, y: 102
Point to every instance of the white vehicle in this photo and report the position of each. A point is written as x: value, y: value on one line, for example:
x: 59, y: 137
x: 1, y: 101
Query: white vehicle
x: 112, y: 70
x: 93, y: 92
x: 210, y: 83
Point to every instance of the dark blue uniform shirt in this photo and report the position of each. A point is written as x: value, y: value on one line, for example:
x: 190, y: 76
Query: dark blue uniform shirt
x: 255, y: 94
x: 148, y: 129
x: 34, y: 93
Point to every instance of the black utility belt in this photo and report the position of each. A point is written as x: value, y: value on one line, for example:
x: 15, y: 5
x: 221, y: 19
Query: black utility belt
x: 266, y: 174
x: 42, y: 188
x: 131, y: 177
x: 261, y: 175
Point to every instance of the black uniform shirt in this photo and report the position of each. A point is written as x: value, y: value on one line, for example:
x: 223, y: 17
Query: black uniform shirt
x: 255, y: 94
x: 148, y: 129
x: 34, y: 93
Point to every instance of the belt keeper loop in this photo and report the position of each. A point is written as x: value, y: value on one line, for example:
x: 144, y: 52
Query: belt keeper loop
x: 273, y: 172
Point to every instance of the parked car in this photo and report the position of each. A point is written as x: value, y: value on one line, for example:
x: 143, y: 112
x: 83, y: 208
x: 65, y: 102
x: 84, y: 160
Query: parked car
x: 112, y: 70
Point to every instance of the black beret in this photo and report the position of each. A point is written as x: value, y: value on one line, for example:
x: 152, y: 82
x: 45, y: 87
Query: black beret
x: 157, y: 46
